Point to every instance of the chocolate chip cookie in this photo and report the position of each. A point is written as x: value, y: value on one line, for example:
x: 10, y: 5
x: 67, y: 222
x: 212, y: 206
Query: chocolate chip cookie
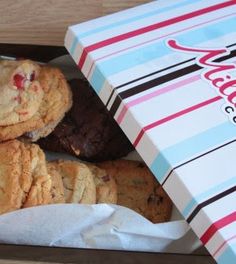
x: 106, y: 189
x: 78, y: 182
x: 138, y: 189
x: 24, y: 180
x: 57, y: 190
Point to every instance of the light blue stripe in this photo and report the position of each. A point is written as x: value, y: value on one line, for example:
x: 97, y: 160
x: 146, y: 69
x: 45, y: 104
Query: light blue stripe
x: 142, y: 55
x: 126, y: 21
x: 73, y: 46
x: 209, y: 193
x: 174, y: 155
x: 229, y: 255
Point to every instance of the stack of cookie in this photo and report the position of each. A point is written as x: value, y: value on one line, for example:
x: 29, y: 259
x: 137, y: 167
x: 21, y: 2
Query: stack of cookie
x: 76, y: 182
x: 33, y: 101
x: 24, y: 179
x: 124, y: 182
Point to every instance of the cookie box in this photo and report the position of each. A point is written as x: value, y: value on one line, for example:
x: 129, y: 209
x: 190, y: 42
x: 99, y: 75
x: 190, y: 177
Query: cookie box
x: 98, y: 226
x: 166, y: 72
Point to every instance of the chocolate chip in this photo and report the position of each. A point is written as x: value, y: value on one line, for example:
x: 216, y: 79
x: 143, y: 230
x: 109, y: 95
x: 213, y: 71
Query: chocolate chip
x: 141, y: 165
x: 153, y: 198
x: 32, y: 76
x: 29, y: 135
x: 139, y: 181
x: 106, y: 178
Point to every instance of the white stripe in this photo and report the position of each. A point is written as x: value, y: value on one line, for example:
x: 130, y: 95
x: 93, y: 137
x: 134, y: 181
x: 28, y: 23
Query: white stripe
x: 130, y: 42
x: 147, y: 143
x: 159, y: 106
x: 161, y: 137
x: 106, y: 20
x: 122, y: 15
x: 129, y: 86
x: 69, y: 39
x: 105, y: 93
x: 195, y: 118
x: 131, y: 126
x: 157, y: 75
x: 163, y: 73
x: 155, y: 19
x: 213, y: 212
x: 77, y: 53
x: 201, y: 175
x: 146, y: 68
x: 169, y: 103
x: 166, y: 61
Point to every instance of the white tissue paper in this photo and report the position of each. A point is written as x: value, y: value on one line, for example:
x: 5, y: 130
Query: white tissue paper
x: 100, y: 226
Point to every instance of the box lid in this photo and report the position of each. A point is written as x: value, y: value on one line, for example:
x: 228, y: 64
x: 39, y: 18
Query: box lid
x: 166, y: 72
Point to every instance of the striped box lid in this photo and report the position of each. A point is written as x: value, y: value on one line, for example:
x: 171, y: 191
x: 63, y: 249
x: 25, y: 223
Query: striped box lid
x: 167, y: 73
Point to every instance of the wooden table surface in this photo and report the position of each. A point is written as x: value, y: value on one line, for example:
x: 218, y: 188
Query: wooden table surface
x: 45, y: 21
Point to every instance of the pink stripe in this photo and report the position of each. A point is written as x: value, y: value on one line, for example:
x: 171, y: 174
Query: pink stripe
x: 164, y: 90
x: 151, y: 40
x: 225, y: 221
x: 222, y: 245
x: 155, y: 93
x: 174, y: 116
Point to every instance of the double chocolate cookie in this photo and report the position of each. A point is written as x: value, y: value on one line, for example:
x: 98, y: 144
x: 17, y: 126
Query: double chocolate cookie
x: 88, y: 130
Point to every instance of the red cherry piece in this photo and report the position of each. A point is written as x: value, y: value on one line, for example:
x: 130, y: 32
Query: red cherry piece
x: 32, y: 76
x: 19, y: 81
x: 23, y: 113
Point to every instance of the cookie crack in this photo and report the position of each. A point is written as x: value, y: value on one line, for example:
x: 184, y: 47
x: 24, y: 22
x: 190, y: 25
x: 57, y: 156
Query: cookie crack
x: 68, y: 189
x: 82, y: 195
x: 20, y: 178
x: 2, y: 189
